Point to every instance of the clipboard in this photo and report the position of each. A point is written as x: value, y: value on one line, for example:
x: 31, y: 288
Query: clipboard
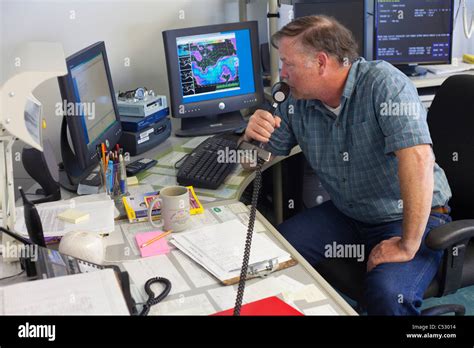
x: 256, y: 271
x: 218, y: 252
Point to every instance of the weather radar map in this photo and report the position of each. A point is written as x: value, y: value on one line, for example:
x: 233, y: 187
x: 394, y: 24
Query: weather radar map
x: 208, y: 64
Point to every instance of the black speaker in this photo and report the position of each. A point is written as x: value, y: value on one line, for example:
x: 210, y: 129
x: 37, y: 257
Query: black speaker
x: 42, y: 167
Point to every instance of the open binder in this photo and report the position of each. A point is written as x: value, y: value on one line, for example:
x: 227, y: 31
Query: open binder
x: 219, y: 249
x: 49, y: 263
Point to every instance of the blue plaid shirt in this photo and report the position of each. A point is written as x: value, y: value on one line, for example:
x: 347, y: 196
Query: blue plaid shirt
x: 353, y: 153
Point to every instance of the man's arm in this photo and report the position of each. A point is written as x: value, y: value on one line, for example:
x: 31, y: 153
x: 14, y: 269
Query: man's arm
x: 415, y: 172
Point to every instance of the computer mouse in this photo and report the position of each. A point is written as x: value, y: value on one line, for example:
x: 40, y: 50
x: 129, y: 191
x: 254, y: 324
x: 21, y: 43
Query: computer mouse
x: 88, y: 246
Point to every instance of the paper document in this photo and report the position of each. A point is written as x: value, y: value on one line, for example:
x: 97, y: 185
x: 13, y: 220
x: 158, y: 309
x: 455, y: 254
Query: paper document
x: 321, y: 310
x: 170, y: 159
x: 459, y: 66
x: 220, y: 248
x: 156, y: 266
x: 184, y: 305
x: 199, y: 276
x: 94, y: 293
x: 194, y: 142
x: 101, y: 216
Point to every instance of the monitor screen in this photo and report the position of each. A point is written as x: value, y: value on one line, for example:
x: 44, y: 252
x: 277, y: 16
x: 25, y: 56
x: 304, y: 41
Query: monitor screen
x: 92, y: 92
x: 413, y: 31
x: 213, y: 73
x: 215, y: 65
x: 90, y: 112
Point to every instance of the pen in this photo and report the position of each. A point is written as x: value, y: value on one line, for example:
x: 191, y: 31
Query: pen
x: 123, y: 175
x: 155, y: 239
x: 102, y: 146
x: 111, y: 178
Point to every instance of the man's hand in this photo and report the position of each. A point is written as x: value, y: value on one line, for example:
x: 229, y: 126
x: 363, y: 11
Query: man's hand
x: 391, y: 250
x: 261, y: 126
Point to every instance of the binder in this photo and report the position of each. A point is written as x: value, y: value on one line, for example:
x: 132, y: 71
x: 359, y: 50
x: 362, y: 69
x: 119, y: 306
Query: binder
x: 49, y: 263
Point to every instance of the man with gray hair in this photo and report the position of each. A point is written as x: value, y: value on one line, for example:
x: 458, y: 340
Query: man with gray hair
x: 378, y: 166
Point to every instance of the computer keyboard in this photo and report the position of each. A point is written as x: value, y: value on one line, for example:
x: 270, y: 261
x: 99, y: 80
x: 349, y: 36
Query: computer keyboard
x: 202, y: 169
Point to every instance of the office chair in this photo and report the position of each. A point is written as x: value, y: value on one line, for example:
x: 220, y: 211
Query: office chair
x: 451, y: 123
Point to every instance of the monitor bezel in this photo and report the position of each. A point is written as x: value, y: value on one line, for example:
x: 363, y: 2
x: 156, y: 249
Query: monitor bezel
x: 211, y: 107
x: 412, y: 63
x: 86, y: 155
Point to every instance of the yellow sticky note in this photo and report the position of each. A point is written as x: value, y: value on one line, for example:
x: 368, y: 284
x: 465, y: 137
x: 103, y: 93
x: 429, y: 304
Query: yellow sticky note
x: 132, y: 181
x: 73, y: 216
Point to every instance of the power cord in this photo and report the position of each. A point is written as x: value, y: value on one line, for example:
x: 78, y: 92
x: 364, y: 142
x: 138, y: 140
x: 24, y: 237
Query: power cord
x: 152, y: 300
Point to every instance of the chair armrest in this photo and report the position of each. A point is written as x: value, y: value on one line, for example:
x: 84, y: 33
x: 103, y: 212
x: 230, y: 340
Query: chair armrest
x: 458, y: 310
x: 447, y: 235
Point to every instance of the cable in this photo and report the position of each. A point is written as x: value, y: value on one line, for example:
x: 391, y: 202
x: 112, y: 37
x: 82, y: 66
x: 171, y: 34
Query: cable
x: 248, y: 241
x: 280, y: 92
x: 152, y: 300
x: 12, y: 276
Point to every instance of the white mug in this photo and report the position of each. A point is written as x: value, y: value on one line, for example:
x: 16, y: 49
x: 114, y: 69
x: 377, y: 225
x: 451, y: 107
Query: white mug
x: 175, y: 209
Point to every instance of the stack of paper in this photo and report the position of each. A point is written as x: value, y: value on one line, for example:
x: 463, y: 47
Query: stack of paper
x: 449, y: 68
x: 100, y: 209
x: 220, y: 248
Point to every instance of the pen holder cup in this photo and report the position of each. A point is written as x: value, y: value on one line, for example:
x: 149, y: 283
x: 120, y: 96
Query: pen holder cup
x: 116, y: 182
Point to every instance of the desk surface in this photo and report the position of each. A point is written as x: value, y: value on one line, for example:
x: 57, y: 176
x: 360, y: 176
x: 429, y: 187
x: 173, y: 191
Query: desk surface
x: 195, y: 290
x: 433, y: 80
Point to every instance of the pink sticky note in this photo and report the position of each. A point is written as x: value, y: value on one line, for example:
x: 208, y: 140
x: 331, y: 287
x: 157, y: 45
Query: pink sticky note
x: 156, y: 248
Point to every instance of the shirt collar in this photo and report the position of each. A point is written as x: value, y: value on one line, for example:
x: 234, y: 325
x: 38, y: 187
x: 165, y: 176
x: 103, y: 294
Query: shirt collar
x: 351, y: 79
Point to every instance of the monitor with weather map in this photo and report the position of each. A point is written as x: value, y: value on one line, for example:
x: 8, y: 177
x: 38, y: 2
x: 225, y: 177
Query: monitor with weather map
x: 213, y: 73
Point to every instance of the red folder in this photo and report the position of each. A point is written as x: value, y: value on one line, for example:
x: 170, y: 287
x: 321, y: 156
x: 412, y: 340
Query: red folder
x: 268, y: 306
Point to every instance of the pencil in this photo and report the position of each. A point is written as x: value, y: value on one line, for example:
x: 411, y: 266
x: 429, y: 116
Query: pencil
x: 155, y: 239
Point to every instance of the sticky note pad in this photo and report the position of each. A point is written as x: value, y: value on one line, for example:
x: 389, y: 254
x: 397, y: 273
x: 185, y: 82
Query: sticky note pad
x: 156, y: 248
x: 132, y: 181
x: 73, y: 216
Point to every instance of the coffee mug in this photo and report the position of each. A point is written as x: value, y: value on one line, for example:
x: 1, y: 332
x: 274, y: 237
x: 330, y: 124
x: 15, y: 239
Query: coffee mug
x: 174, y: 205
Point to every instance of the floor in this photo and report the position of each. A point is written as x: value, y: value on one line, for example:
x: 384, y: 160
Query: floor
x: 464, y: 297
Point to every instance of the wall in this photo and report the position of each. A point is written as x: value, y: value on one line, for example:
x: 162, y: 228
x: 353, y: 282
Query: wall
x: 131, y: 30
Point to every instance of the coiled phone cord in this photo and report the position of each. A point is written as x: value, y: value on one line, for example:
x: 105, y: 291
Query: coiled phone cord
x: 248, y: 241
x: 152, y: 300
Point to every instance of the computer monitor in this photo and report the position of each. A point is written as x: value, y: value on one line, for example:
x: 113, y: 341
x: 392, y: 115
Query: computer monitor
x: 409, y: 33
x: 213, y: 73
x: 350, y: 13
x: 90, y: 113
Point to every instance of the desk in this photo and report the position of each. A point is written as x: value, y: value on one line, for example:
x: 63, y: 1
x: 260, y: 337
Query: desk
x: 433, y: 80
x: 195, y: 291
x: 199, y: 285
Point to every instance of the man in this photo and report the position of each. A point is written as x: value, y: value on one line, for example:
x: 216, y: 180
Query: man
x: 363, y: 130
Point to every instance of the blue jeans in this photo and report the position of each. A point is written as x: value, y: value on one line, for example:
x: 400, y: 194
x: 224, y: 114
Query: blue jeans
x: 390, y: 288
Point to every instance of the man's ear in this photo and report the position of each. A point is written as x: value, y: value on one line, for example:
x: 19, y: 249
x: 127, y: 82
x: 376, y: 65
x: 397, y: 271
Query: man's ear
x: 322, y: 60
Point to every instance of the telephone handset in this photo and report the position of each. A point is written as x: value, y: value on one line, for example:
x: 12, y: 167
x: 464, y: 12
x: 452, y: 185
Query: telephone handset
x: 280, y: 92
